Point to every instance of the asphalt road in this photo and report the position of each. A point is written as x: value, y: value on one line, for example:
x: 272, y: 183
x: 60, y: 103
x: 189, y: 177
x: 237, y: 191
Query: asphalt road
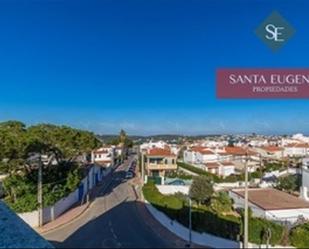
x: 113, y: 220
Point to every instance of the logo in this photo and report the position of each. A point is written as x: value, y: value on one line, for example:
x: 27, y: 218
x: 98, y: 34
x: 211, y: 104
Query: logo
x: 275, y: 31
x: 262, y: 83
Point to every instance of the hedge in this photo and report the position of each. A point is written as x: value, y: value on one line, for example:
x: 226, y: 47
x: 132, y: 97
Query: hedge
x: 217, y: 179
x: 299, y: 236
x: 198, y: 171
x: 208, y: 221
x: 258, y: 228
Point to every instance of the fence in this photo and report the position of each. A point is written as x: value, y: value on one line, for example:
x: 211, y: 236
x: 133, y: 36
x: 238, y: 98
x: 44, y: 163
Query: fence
x: 94, y: 176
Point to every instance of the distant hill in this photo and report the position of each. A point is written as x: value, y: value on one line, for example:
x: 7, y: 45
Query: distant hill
x: 171, y: 138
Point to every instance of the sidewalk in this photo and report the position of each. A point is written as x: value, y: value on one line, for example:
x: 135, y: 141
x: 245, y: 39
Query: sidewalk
x: 154, y: 224
x: 65, y: 218
x: 76, y: 210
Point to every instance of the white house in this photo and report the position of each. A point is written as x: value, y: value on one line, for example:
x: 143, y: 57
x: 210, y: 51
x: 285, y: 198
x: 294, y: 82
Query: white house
x: 220, y: 168
x: 151, y: 145
x: 272, y: 204
x: 296, y: 149
x: 104, y: 156
x: 301, y: 137
x: 258, y: 142
x: 214, y: 144
x: 271, y: 152
x: 305, y: 180
x: 199, y: 155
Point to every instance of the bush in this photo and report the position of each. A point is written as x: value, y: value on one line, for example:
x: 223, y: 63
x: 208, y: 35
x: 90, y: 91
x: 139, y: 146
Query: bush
x: 198, y: 171
x: 21, y: 191
x: 221, y: 202
x: 180, y: 174
x: 202, y: 220
x: 258, y: 228
x: 152, y: 194
x: 222, y: 226
x: 217, y: 179
x: 289, y: 183
x: 201, y: 189
x: 256, y: 174
x: 273, y: 167
x: 300, y: 236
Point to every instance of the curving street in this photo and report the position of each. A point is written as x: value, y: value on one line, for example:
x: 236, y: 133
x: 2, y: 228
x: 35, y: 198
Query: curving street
x: 115, y: 219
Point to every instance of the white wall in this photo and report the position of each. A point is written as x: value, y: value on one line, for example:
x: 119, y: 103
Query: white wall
x: 171, y: 189
x: 289, y: 215
x: 227, y: 170
x: 64, y: 204
x: 52, y: 212
x: 239, y: 203
x: 202, y: 239
x: 30, y: 218
x: 209, y: 158
x: 305, y: 180
x: 284, y: 215
x: 295, y: 151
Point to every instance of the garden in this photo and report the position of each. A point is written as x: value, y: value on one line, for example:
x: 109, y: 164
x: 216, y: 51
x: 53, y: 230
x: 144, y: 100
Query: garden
x: 213, y: 213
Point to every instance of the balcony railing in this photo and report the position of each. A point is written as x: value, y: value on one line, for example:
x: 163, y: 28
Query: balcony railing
x: 154, y: 166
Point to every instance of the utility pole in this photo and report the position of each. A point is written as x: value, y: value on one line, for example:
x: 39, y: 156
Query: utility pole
x: 40, y: 193
x: 190, y: 221
x: 246, y: 222
x: 143, y: 168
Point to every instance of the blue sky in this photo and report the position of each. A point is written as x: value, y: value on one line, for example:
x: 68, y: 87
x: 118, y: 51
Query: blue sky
x: 145, y: 66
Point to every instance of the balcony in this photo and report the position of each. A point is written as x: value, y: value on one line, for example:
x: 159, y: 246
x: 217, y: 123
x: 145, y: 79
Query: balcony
x: 161, y: 166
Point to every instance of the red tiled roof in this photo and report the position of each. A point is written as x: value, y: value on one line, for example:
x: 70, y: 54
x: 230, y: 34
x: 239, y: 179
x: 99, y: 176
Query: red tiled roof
x: 272, y: 148
x: 212, y: 165
x: 238, y: 151
x: 207, y: 152
x: 198, y: 148
x: 159, y: 152
x: 227, y: 163
x: 202, y: 150
x: 101, y: 152
x: 264, y: 198
x: 298, y: 145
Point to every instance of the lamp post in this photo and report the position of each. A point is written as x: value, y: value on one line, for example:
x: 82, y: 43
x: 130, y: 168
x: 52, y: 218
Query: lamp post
x: 190, y: 221
x: 143, y: 168
x: 246, y: 221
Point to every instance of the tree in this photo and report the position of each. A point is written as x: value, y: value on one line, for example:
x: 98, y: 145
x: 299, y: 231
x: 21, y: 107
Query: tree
x: 289, y: 183
x: 221, y: 203
x: 125, y: 144
x: 201, y: 189
x: 19, y: 148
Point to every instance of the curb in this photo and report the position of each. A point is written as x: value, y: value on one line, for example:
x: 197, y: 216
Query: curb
x: 74, y: 219
x: 67, y: 223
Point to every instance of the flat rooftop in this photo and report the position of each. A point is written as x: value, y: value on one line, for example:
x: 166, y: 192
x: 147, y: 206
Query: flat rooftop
x: 272, y: 199
x: 15, y: 233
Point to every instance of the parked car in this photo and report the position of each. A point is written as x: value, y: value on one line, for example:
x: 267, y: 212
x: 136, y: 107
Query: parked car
x: 129, y: 175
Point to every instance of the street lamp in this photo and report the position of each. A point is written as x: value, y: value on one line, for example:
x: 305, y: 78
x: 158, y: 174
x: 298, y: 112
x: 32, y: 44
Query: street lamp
x: 190, y: 223
x: 246, y: 221
x: 143, y: 168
